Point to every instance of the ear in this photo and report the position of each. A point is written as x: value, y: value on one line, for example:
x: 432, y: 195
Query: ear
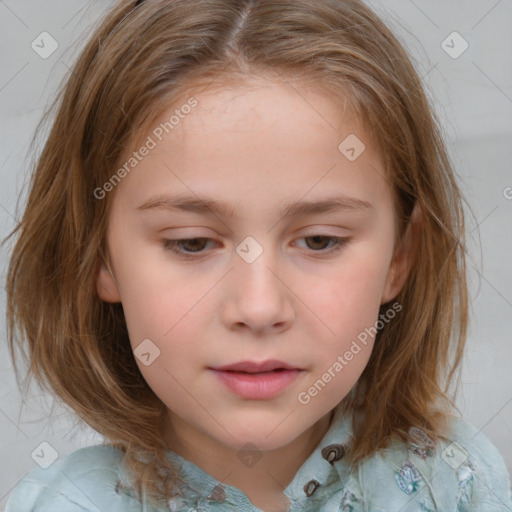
x: 402, y: 258
x: 106, y: 286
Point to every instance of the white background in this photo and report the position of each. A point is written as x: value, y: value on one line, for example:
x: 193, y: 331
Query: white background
x: 473, y: 96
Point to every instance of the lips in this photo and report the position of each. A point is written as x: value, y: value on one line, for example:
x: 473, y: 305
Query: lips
x: 256, y: 367
x: 252, y: 380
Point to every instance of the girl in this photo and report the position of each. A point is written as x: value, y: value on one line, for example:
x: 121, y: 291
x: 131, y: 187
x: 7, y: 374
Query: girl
x: 172, y: 285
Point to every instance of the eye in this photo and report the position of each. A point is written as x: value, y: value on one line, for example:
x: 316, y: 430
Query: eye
x: 176, y: 245
x: 173, y: 246
x: 338, y: 243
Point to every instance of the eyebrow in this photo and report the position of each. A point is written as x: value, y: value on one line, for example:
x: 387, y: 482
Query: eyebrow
x: 207, y: 206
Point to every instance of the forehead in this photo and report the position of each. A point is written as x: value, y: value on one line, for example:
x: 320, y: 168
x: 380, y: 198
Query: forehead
x: 240, y: 101
x: 278, y: 113
x: 295, y: 106
x: 277, y: 136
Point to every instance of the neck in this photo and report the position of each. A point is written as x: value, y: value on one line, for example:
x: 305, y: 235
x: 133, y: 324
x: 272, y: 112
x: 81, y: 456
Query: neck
x: 264, y: 482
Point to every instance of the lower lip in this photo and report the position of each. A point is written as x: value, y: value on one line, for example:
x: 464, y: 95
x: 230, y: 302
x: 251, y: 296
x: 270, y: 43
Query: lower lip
x: 257, y: 386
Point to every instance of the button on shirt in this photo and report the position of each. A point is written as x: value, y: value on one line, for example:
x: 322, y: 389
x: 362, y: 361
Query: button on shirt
x: 465, y: 474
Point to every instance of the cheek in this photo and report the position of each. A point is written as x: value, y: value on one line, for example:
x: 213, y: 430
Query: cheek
x: 348, y: 298
x: 346, y: 308
x: 156, y: 295
x: 163, y: 312
x: 164, y: 323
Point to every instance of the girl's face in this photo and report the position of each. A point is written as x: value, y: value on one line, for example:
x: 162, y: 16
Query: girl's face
x: 263, y: 278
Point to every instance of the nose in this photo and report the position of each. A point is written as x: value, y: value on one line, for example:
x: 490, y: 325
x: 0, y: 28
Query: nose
x: 258, y: 296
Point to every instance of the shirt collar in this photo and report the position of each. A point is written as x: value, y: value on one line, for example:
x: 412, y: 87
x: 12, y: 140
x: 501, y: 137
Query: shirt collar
x: 323, y: 468
x: 326, y: 465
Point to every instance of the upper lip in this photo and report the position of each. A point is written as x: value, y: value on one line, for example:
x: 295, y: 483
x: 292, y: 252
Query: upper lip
x: 256, y: 367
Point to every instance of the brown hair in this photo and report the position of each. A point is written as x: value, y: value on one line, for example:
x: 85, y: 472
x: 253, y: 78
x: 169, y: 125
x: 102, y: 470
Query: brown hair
x: 138, y: 61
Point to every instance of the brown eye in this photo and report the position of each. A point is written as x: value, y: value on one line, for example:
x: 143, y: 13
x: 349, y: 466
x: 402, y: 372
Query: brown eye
x: 318, y: 243
x: 191, y: 246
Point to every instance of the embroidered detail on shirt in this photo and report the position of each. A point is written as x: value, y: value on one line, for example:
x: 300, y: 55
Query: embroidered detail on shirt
x: 465, y: 485
x: 420, y: 444
x: 191, y: 500
x: 176, y: 504
x: 347, y: 501
x: 408, y: 477
x: 427, y: 505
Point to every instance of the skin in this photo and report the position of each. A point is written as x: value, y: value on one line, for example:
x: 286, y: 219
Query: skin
x: 257, y: 148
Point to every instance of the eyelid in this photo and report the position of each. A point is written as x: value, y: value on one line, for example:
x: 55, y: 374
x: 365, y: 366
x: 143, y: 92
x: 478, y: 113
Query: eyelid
x: 173, y: 244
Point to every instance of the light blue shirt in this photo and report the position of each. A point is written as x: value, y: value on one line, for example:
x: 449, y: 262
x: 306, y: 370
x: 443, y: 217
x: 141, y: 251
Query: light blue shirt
x: 467, y: 474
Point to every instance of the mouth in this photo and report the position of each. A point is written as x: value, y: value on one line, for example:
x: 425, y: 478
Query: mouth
x: 257, y: 381
x: 253, y: 367
x: 277, y: 370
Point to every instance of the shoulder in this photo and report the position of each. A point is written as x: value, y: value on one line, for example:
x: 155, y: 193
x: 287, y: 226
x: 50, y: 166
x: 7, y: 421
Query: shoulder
x: 478, y: 446
x: 482, y: 477
x: 84, y: 480
x: 464, y: 472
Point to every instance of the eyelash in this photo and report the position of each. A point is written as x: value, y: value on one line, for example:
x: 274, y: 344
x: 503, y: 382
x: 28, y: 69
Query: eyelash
x: 171, y: 245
